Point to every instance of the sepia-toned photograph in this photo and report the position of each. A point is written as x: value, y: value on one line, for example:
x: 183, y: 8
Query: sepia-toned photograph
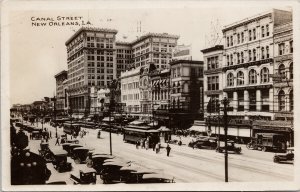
x: 149, y: 95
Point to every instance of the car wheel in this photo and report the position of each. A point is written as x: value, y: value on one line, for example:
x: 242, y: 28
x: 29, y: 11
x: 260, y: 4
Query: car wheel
x: 276, y: 160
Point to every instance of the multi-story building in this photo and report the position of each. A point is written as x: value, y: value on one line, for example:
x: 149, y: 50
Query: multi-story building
x: 248, y: 63
x: 283, y: 72
x: 130, y: 90
x: 153, y: 48
x: 186, y: 99
x: 91, y: 62
x: 61, y: 100
x: 123, y: 57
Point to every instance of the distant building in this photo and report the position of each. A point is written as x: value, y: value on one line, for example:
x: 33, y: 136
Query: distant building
x: 61, y: 99
x: 124, y: 56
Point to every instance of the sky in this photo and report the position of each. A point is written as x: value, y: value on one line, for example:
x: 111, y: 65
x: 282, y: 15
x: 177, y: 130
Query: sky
x: 37, y: 53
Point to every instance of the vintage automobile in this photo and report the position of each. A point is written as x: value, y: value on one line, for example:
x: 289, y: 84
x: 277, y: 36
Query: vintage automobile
x: 287, y: 157
x: 66, y: 146
x: 45, y: 152
x: 111, y: 172
x: 80, y: 154
x: 71, y: 147
x: 83, y: 175
x: 268, y: 142
x: 36, y: 135
x: 60, y: 162
x: 74, y: 141
x: 230, y: 147
x: 204, y: 142
x: 157, y: 178
x: 98, y: 160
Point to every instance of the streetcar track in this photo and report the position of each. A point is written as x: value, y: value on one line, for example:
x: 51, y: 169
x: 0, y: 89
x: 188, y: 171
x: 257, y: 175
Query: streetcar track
x: 193, y: 169
x: 237, y: 166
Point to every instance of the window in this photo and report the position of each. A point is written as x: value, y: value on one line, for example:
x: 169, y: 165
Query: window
x: 267, y: 30
x: 281, y: 48
x: 250, y: 36
x: 291, y: 97
x: 239, y: 38
x: 262, y: 31
x: 240, y: 78
x: 291, y: 71
x: 264, y: 75
x: 262, y: 53
x: 254, y: 55
x: 254, y: 34
x: 250, y: 56
x: 281, y: 70
x: 242, y: 57
x: 281, y: 100
x: 231, y: 41
x: 267, y: 52
x: 213, y: 83
x: 228, y: 60
x: 231, y: 59
x: 252, y: 77
x: 291, y: 47
x: 238, y: 58
x: 242, y: 37
x: 227, y: 41
x: 230, y: 79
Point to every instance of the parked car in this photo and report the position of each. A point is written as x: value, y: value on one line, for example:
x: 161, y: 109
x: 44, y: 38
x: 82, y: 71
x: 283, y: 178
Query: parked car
x: 83, y: 175
x: 60, y: 162
x: 268, y: 142
x: 230, y: 147
x: 204, y: 142
x: 287, y: 157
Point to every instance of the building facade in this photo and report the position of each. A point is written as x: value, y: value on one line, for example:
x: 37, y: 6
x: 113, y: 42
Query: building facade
x: 124, y: 54
x: 91, y: 62
x: 130, y: 90
x: 153, y: 48
x: 248, y: 63
x: 61, y: 78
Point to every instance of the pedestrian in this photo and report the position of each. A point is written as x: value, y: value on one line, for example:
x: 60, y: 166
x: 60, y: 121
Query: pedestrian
x: 57, y: 141
x: 168, y: 149
x: 50, y: 135
x: 46, y: 138
x: 154, y: 144
x: 157, y: 148
x: 137, y: 144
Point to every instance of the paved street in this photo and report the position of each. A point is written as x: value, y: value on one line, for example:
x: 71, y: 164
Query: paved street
x: 186, y: 164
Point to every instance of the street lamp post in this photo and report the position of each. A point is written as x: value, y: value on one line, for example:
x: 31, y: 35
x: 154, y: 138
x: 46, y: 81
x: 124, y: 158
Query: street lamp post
x: 112, y: 86
x: 225, y: 103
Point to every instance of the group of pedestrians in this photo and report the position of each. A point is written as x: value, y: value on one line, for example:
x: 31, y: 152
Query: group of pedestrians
x: 144, y: 143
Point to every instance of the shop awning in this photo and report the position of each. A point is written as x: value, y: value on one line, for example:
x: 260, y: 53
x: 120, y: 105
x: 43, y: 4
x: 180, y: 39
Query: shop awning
x: 197, y: 128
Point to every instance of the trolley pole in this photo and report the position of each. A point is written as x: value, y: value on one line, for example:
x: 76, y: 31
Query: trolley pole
x: 225, y: 103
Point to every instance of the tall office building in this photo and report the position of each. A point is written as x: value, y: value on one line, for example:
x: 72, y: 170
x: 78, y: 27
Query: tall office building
x: 91, y: 62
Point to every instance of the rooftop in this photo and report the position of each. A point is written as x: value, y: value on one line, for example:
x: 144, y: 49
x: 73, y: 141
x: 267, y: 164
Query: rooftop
x: 63, y: 72
x: 93, y: 29
x: 186, y: 61
x: 215, y: 48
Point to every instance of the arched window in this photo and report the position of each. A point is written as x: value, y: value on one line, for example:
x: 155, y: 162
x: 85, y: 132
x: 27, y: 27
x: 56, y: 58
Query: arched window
x: 281, y: 70
x: 242, y: 57
x: 291, y: 97
x: 281, y: 100
x: 267, y: 30
x: 252, y: 77
x: 264, y: 75
x: 240, y: 78
x: 291, y: 71
x: 231, y: 59
x: 262, y: 53
x: 262, y: 31
x: 228, y: 61
x: 239, y: 38
x: 230, y: 79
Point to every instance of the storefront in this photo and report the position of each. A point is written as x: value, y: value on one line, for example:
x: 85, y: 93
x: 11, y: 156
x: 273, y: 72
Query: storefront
x: 280, y: 127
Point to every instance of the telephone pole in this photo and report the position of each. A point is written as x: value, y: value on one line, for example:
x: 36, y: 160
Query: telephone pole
x: 225, y: 117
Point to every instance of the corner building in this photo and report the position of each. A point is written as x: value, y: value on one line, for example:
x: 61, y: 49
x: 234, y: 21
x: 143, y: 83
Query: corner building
x: 248, y: 63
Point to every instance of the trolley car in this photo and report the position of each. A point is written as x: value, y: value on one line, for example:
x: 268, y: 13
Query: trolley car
x: 71, y: 128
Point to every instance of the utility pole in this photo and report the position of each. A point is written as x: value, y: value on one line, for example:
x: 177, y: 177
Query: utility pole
x: 112, y: 86
x: 225, y: 117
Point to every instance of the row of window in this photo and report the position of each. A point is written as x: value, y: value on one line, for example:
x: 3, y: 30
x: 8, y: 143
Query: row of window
x: 98, y: 45
x: 252, y: 34
x: 99, y: 39
x: 252, y: 56
x: 212, y: 62
x: 99, y: 58
x: 131, y: 97
x: 252, y: 77
x: 282, y: 48
x: 129, y: 86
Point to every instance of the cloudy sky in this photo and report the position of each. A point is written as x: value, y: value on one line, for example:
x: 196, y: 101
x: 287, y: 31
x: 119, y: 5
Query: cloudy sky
x: 36, y: 54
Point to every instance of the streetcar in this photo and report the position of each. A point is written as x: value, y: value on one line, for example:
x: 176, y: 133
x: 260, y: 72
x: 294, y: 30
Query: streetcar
x: 71, y: 128
x: 134, y: 133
